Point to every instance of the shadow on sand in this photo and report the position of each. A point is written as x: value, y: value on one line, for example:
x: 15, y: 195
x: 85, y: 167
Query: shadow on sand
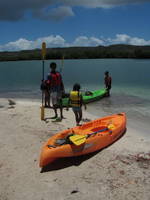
x: 62, y: 163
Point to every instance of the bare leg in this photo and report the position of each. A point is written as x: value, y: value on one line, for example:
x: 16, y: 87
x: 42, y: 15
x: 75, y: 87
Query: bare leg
x: 76, y: 116
x: 61, y: 109
x: 61, y: 113
x: 55, y: 110
x: 79, y: 116
x: 54, y: 103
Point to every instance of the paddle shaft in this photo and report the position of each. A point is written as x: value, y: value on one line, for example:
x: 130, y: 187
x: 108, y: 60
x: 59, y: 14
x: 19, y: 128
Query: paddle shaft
x: 42, y: 80
x: 43, y: 58
x: 105, y: 129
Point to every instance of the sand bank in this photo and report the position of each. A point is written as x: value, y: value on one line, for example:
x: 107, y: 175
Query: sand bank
x: 118, y: 172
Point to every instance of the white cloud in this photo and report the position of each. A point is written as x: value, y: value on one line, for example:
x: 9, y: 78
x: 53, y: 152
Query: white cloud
x: 85, y: 41
x: 59, y: 41
x: 51, y: 41
x: 126, y: 39
x: 20, y: 44
x: 23, y: 44
x: 13, y: 10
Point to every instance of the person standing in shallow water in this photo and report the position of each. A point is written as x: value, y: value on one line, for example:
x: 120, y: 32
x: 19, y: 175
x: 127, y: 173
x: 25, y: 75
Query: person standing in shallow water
x: 76, y: 102
x: 107, y: 82
x: 56, y: 86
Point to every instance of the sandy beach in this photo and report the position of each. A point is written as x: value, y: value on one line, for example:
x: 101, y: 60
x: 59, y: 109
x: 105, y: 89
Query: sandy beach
x: 119, y: 172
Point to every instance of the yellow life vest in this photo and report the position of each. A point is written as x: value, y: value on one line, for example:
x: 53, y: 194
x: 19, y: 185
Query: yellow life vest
x: 75, y: 98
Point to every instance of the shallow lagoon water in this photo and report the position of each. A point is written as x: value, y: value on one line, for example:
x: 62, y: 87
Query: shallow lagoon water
x: 130, y: 88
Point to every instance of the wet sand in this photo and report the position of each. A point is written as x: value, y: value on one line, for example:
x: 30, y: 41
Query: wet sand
x: 120, y: 171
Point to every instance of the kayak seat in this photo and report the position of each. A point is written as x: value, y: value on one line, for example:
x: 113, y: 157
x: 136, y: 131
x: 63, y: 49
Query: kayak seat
x: 65, y: 140
x: 60, y: 141
x: 51, y: 146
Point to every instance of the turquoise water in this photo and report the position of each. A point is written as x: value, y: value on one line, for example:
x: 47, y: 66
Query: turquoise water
x: 129, y: 76
x: 130, y: 88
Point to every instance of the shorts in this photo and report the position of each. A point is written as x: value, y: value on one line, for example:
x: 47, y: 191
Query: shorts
x: 108, y: 87
x: 56, y: 98
x: 76, y: 109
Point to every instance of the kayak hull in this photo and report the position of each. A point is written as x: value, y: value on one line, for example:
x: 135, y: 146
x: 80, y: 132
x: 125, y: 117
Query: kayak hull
x: 88, y: 97
x: 106, y: 130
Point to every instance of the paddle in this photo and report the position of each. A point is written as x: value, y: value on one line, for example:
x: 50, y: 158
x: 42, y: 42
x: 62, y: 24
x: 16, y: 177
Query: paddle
x: 80, y: 139
x: 43, y: 57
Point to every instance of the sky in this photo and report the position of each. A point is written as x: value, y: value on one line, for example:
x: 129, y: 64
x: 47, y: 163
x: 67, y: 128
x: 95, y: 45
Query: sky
x: 25, y: 24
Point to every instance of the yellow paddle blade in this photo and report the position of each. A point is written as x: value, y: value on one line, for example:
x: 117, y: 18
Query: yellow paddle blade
x: 43, y: 50
x: 78, y: 139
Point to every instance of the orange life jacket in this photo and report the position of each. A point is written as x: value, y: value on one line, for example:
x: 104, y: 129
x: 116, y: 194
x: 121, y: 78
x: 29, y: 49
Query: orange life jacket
x: 54, y: 79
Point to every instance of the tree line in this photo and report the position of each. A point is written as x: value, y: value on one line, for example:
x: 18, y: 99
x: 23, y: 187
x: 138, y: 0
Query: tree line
x: 112, y: 51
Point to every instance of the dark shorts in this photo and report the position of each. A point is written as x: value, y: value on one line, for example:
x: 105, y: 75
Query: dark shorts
x: 108, y: 87
x: 76, y: 109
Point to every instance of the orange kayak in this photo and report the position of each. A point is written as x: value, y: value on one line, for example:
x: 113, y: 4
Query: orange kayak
x: 80, y: 140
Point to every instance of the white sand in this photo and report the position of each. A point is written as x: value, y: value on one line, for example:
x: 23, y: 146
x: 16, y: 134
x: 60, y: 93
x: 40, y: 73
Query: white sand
x: 119, y: 172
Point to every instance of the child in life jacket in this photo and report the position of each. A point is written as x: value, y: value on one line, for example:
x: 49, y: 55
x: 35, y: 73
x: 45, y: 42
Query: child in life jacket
x: 76, y: 102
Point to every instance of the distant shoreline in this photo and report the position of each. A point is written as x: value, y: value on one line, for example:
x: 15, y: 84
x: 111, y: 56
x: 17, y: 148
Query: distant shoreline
x: 99, y: 52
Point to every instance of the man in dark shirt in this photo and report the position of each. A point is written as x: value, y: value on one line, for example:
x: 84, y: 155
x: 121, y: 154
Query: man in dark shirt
x: 107, y: 82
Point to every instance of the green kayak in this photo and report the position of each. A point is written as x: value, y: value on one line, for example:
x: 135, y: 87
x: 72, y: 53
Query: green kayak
x: 88, y: 96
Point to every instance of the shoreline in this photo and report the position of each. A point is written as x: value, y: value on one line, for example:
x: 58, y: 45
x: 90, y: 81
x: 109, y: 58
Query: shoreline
x: 120, y: 171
